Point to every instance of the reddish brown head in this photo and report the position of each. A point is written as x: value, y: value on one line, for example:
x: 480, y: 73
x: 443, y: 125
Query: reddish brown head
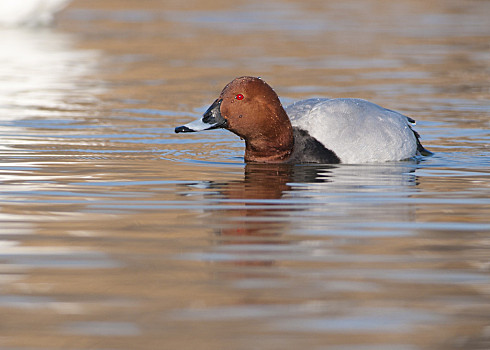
x: 251, y: 109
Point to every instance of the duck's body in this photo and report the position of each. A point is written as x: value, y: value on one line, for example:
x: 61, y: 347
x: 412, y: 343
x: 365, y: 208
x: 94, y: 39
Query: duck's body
x: 316, y: 131
x: 357, y: 131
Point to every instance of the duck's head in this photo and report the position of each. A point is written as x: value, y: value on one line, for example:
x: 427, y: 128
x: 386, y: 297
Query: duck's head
x: 251, y: 109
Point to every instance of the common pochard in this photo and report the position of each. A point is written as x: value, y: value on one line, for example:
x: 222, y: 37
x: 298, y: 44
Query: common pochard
x: 320, y: 130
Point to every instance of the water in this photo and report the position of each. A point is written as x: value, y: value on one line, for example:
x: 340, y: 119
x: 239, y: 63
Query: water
x: 117, y: 233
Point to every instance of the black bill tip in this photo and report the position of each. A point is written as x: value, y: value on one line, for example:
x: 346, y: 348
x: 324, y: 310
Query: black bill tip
x: 183, y: 128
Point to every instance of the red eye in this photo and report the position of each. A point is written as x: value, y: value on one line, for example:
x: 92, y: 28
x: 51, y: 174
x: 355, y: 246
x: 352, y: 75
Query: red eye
x: 239, y: 97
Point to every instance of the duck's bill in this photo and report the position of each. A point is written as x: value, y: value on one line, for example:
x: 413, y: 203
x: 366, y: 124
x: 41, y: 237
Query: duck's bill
x: 197, y: 125
x: 211, y: 119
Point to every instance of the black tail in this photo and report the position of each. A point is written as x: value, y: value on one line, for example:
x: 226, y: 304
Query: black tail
x: 421, y: 149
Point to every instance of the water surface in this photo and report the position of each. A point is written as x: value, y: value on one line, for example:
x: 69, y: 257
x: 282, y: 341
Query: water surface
x: 117, y: 233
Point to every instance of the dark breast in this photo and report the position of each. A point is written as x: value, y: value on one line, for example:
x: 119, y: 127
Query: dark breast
x: 309, y: 150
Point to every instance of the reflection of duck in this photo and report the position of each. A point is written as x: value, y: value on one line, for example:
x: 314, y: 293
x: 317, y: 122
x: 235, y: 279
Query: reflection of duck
x: 29, y: 12
x: 256, y: 197
x: 271, y: 181
x: 261, y: 182
x: 259, y: 195
x: 275, y: 202
x: 276, y: 199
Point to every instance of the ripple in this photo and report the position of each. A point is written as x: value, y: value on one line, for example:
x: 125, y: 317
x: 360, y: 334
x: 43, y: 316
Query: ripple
x: 99, y: 328
x: 54, y: 257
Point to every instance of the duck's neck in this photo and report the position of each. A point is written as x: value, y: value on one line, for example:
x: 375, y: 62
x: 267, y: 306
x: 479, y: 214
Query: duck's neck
x: 273, y: 145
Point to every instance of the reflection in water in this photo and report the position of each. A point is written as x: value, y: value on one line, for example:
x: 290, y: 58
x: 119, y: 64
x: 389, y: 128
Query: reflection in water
x: 40, y: 75
x: 349, y: 271
x: 40, y: 85
x: 261, y: 194
x: 29, y: 12
x: 274, y: 202
x: 282, y: 191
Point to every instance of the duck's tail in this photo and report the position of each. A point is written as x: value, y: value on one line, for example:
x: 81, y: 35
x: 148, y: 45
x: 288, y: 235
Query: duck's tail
x: 420, y: 148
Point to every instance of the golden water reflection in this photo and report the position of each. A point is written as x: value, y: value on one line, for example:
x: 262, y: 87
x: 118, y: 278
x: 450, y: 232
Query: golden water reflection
x: 118, y: 234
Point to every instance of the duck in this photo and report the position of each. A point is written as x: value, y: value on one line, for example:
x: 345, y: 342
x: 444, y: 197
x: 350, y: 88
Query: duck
x: 29, y: 13
x: 315, y: 130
